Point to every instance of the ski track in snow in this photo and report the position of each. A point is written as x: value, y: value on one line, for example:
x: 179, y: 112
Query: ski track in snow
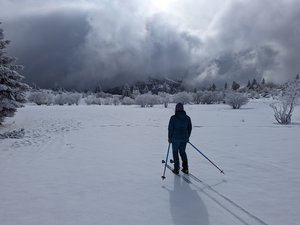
x: 233, y: 209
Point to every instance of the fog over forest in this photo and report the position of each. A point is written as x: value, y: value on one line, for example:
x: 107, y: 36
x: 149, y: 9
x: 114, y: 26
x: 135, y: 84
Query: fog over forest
x: 111, y: 42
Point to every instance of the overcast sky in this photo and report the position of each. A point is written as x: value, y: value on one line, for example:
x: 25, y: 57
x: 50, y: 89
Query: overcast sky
x: 110, y: 42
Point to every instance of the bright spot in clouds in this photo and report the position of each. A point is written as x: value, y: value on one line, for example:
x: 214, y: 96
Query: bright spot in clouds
x: 162, y: 5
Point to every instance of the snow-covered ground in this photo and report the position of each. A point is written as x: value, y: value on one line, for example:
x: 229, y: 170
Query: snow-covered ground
x: 102, y: 165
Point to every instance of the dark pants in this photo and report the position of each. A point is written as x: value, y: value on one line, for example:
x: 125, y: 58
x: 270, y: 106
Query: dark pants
x: 179, y: 146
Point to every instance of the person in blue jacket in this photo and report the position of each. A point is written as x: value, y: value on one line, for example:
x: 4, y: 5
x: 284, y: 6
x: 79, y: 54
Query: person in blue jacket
x: 179, y: 131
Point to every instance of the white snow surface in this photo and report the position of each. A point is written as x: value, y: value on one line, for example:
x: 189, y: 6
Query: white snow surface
x: 102, y: 165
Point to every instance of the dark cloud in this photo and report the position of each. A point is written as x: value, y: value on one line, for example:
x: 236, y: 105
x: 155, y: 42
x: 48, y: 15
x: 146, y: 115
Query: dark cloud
x: 117, y: 42
x: 239, y: 66
x: 45, y: 44
x: 271, y: 30
x: 116, y: 51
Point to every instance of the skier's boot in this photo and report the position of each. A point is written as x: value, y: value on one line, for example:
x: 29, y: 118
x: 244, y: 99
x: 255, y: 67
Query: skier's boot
x: 175, y: 171
x: 186, y: 171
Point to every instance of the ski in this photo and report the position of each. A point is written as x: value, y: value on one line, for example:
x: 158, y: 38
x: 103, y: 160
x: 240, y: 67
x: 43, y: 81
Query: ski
x: 179, y: 175
x: 194, y: 177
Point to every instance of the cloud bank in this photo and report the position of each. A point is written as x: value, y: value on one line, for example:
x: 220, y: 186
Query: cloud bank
x: 109, y: 43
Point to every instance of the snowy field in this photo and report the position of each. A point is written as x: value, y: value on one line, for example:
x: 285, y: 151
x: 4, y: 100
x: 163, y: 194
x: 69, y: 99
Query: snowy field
x: 86, y: 165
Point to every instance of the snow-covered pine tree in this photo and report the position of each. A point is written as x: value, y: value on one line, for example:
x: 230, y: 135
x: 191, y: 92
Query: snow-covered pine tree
x: 12, y: 90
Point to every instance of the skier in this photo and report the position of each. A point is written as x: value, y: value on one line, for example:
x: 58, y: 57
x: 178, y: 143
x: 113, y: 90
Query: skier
x: 179, y: 131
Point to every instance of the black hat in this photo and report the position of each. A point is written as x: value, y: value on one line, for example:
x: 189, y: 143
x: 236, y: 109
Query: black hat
x: 179, y: 107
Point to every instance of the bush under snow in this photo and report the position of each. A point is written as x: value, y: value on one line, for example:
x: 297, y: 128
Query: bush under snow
x: 183, y: 97
x: 145, y: 100
x: 208, y: 97
x: 128, y: 101
x: 42, y: 97
x: 93, y: 100
x: 67, y: 98
x: 236, y: 100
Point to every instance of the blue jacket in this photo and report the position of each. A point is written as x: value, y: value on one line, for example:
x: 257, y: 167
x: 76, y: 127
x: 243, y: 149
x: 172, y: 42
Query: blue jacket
x: 180, y: 127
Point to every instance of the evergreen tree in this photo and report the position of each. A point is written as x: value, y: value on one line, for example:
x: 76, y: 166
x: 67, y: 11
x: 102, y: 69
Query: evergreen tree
x: 213, y: 87
x: 226, y: 86
x: 166, y: 87
x: 12, y: 90
x: 254, y: 84
x: 235, y: 86
x: 98, y: 88
x: 249, y: 84
x: 135, y: 91
x: 297, y: 77
x: 146, y: 90
x: 263, y: 82
x: 126, y: 90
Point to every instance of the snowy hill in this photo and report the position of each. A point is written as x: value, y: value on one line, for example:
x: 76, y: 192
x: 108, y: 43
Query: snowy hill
x: 102, y: 165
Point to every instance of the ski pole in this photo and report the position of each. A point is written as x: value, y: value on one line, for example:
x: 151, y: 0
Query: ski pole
x: 163, y: 176
x: 207, y: 158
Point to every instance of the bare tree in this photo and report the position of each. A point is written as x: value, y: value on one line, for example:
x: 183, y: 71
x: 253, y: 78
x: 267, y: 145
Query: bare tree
x: 285, y: 105
x: 164, y: 98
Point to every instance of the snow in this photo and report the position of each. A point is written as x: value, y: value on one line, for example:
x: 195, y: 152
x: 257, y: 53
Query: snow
x: 102, y: 165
